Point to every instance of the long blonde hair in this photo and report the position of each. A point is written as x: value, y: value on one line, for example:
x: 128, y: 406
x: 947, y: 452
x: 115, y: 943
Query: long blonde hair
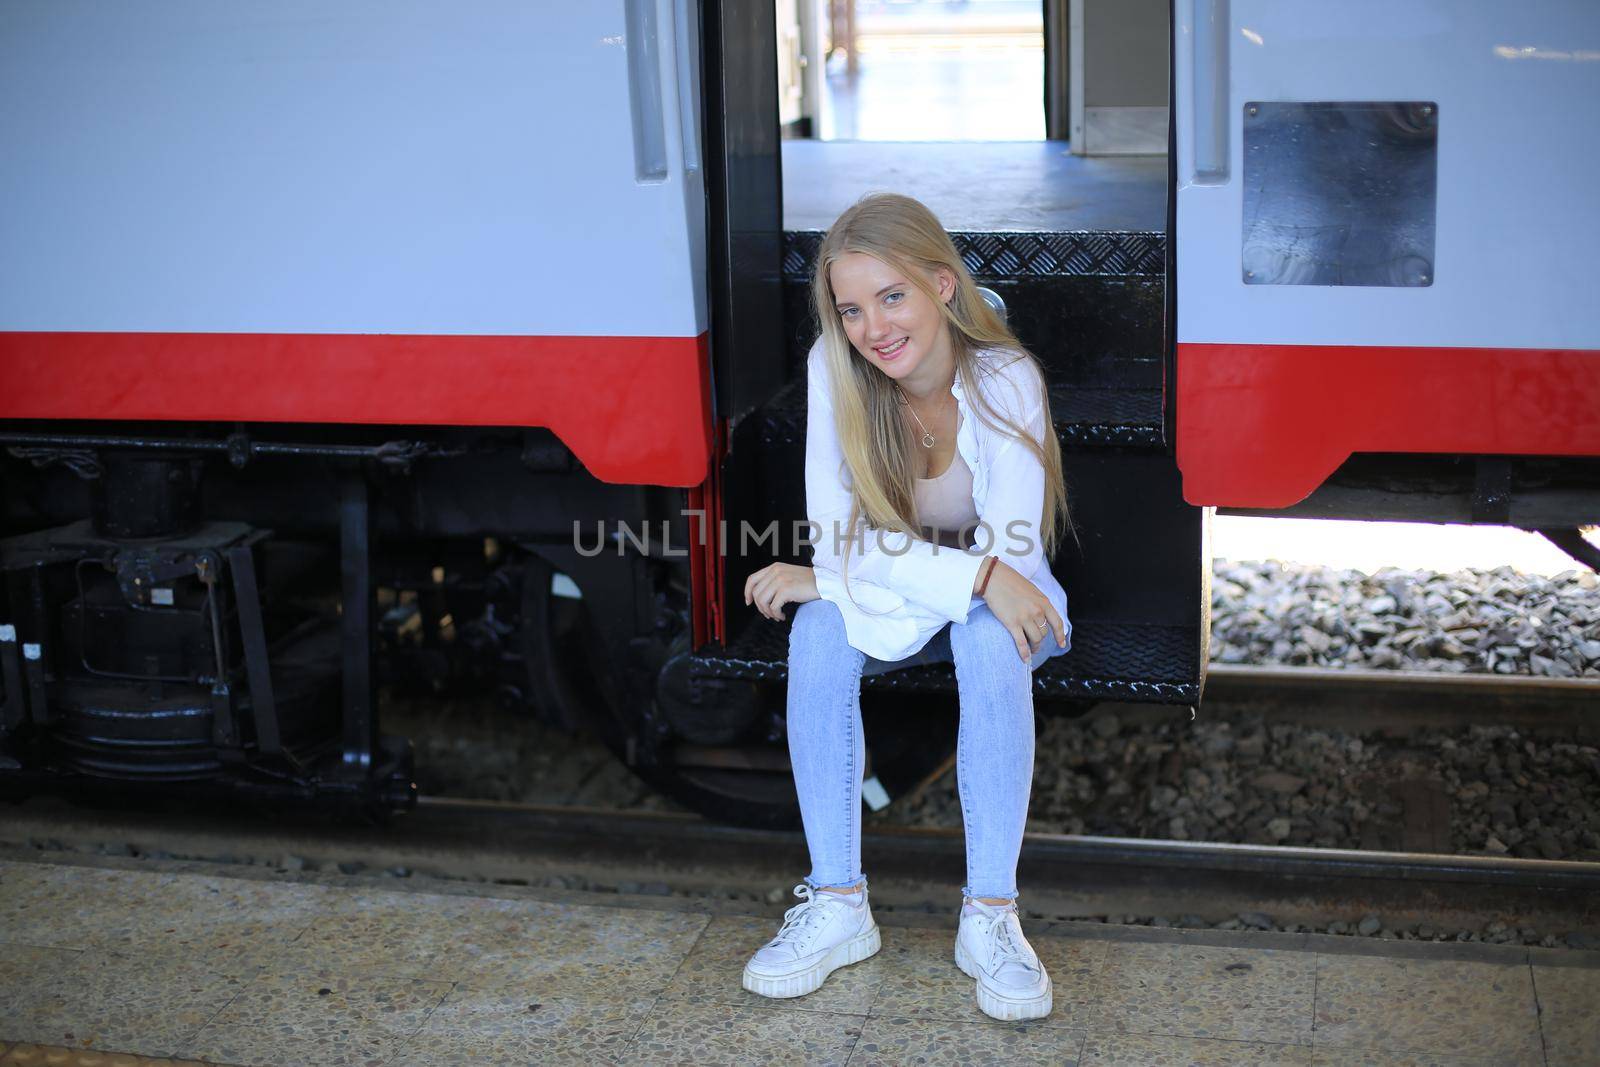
x: 902, y: 233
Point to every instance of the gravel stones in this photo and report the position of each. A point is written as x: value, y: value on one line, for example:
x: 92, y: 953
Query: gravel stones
x: 1279, y: 782
x: 1501, y: 789
x: 1494, y: 622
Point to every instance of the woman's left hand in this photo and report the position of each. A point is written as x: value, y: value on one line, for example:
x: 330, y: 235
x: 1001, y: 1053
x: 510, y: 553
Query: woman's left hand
x: 771, y: 587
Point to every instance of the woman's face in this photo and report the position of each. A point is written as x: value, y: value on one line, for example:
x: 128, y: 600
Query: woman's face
x: 888, y: 320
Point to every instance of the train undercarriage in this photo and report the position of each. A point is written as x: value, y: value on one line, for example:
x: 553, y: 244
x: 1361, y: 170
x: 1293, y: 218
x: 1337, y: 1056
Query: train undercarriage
x: 154, y: 649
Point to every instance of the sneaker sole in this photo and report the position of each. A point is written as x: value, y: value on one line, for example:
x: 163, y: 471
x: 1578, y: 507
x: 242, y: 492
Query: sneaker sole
x: 800, y: 983
x: 998, y: 1005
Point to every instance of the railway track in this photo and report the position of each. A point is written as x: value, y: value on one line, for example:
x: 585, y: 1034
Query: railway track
x: 463, y: 751
x: 1356, y: 692
x: 921, y: 868
x: 1387, y: 701
x: 1062, y: 876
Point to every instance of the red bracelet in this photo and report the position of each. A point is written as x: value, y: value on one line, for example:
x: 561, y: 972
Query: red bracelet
x: 985, y: 583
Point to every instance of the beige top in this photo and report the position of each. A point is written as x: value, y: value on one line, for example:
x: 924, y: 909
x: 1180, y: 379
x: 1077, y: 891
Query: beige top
x: 944, y: 503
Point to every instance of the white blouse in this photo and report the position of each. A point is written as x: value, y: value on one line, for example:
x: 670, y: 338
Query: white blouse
x: 906, y: 589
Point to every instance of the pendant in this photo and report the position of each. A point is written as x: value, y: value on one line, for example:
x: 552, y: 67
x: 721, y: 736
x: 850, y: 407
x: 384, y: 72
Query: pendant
x: 927, y: 439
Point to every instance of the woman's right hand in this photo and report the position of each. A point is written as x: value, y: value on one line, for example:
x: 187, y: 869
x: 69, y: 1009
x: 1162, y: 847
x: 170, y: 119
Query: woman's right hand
x: 777, y: 584
x: 1025, y: 611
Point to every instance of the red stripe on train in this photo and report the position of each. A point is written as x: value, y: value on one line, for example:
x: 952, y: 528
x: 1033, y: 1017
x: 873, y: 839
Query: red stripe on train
x: 634, y: 410
x: 1261, y: 426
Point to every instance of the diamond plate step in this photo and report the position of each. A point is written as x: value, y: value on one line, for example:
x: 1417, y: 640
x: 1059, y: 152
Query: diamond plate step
x: 1087, y: 303
x: 1084, y: 418
x: 1000, y: 255
x: 1135, y: 662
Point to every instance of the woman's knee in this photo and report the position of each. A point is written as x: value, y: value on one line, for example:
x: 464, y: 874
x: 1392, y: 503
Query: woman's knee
x: 982, y: 634
x: 817, y: 624
x: 820, y: 659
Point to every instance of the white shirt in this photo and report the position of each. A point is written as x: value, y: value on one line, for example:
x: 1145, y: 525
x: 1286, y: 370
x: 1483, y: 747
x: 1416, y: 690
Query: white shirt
x: 906, y: 589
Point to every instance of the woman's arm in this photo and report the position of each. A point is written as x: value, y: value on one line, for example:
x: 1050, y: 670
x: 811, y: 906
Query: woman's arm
x: 1013, y: 510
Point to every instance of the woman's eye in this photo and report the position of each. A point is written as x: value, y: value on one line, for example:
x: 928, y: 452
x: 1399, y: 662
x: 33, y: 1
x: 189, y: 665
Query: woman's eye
x: 894, y: 297
x: 847, y: 312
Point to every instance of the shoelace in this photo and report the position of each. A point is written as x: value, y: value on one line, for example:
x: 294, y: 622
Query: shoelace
x: 1005, y: 943
x: 798, y: 919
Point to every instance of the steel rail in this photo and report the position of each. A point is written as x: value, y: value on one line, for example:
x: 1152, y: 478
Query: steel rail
x: 1241, y: 676
x: 647, y: 832
x: 911, y: 868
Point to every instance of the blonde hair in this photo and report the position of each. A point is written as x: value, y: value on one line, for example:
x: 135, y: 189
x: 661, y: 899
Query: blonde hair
x: 878, y: 451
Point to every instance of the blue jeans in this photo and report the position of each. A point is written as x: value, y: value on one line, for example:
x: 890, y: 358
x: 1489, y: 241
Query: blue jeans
x: 994, y: 748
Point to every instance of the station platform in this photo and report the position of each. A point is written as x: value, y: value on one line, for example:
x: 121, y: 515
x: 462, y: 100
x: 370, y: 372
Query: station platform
x: 104, y: 960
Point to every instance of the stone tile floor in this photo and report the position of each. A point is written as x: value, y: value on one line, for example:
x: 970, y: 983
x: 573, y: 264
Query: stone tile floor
x: 110, y: 961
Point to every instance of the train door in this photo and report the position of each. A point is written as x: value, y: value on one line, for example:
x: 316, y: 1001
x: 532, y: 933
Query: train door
x: 1383, y: 227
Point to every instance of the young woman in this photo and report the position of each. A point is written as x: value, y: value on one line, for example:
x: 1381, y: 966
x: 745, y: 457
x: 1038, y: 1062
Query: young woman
x: 934, y: 486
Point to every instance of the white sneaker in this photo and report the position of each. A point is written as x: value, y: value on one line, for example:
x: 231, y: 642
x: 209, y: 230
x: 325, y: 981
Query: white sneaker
x: 820, y: 934
x: 1012, y: 983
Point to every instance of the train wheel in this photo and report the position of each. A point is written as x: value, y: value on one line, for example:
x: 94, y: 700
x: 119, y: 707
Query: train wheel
x: 753, y: 785
x: 726, y: 751
x: 746, y: 780
x: 720, y: 747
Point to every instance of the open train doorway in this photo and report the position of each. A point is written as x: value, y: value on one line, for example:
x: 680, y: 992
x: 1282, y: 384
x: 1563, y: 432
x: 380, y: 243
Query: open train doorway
x: 1069, y: 242
x: 912, y: 70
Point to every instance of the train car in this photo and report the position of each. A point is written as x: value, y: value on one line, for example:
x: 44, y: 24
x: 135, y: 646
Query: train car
x: 440, y: 346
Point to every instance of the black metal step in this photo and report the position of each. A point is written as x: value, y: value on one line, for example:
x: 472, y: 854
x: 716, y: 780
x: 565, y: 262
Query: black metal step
x: 1010, y: 254
x: 1088, y: 304
x: 1084, y: 418
x: 1136, y: 662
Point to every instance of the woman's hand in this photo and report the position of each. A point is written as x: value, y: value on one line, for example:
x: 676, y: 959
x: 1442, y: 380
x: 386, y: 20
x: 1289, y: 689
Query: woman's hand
x: 771, y: 587
x: 1025, y: 611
